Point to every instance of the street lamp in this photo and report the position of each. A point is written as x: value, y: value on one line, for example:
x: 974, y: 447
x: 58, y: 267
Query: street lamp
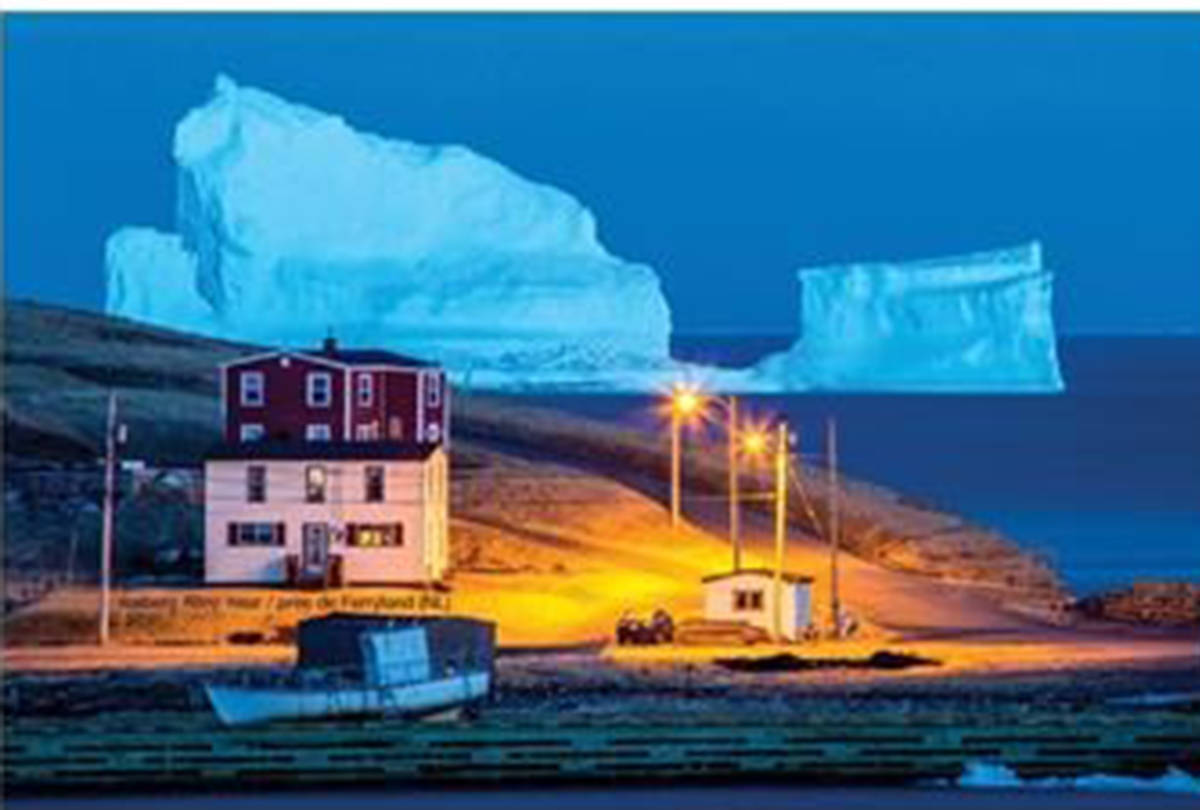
x: 757, y: 442
x: 687, y: 401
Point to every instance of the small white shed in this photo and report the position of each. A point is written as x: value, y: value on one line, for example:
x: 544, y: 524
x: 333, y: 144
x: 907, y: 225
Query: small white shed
x: 748, y: 595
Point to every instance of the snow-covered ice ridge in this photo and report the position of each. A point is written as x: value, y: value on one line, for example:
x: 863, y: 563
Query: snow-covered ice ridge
x: 973, y: 323
x: 292, y: 224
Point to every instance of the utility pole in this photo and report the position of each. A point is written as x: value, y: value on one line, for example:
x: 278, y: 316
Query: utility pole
x: 781, y: 455
x: 110, y: 463
x: 735, y: 535
x: 835, y: 603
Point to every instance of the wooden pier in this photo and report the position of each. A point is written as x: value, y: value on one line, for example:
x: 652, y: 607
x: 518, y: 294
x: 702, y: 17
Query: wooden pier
x: 53, y: 756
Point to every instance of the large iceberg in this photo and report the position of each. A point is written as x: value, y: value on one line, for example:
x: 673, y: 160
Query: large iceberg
x: 291, y: 224
x: 974, y: 323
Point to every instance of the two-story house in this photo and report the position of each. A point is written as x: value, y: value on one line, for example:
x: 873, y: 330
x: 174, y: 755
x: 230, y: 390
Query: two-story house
x: 333, y: 470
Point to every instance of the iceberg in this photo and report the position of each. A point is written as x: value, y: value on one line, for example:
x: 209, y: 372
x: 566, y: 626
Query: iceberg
x: 992, y: 775
x: 291, y: 225
x: 980, y: 322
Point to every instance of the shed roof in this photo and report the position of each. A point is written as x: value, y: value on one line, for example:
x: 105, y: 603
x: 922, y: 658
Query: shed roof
x: 795, y: 579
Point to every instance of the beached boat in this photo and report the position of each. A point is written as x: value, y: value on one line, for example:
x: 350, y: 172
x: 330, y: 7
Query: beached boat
x: 238, y: 706
x: 354, y: 666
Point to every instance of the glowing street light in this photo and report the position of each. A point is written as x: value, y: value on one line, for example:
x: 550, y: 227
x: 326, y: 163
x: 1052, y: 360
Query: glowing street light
x: 687, y: 401
x: 754, y: 442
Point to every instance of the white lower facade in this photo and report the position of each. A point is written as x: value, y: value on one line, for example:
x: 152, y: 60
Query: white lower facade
x: 373, y: 521
x: 750, y: 596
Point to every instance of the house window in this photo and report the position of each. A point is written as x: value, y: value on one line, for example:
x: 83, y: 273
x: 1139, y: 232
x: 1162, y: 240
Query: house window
x: 748, y: 600
x: 433, y: 390
x: 375, y: 535
x: 367, y: 432
x: 314, y: 483
x: 256, y: 484
x: 252, y: 388
x: 373, y: 479
x: 319, y: 389
x: 256, y: 534
x: 317, y: 433
x: 252, y: 432
x: 366, y: 389
x: 395, y: 428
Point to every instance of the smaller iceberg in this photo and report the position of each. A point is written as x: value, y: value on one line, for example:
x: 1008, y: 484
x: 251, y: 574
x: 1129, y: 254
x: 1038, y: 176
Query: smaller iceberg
x: 980, y: 322
x: 991, y: 775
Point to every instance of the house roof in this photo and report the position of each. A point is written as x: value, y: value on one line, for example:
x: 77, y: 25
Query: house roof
x: 795, y: 579
x: 339, y: 356
x: 368, y: 357
x: 269, y: 449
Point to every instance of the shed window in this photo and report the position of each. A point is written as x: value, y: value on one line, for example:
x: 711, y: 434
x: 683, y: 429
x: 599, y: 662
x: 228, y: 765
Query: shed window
x: 375, y: 535
x: 319, y: 389
x: 253, y: 391
x: 747, y: 600
x: 256, y: 483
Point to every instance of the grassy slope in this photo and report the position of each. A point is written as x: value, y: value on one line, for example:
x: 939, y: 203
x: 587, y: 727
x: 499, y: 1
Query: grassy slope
x: 539, y: 543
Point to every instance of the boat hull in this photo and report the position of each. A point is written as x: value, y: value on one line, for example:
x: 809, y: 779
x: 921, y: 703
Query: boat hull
x: 239, y: 706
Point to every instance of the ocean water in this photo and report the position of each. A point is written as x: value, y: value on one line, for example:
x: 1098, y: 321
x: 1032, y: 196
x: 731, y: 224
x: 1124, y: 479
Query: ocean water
x: 1104, y: 479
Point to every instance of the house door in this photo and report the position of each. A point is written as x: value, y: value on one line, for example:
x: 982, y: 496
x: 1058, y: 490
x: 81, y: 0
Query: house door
x: 315, y: 551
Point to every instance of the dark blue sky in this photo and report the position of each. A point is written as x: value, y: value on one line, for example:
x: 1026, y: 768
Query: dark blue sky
x: 725, y: 151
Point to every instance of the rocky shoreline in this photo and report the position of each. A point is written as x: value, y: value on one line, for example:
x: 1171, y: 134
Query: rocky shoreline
x: 1157, y: 604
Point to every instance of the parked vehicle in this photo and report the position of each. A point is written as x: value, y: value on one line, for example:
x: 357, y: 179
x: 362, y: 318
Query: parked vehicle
x: 659, y: 629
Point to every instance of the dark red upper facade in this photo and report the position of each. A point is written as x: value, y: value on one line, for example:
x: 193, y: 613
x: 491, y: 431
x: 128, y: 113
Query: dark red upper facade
x: 333, y: 394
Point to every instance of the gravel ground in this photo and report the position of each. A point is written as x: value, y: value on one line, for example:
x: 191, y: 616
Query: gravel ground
x: 588, y: 688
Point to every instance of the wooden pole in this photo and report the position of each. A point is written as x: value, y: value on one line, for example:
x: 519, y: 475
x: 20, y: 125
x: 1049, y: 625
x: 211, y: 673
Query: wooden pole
x: 735, y: 535
x: 781, y: 453
x: 676, y: 427
x: 835, y: 604
x: 110, y: 463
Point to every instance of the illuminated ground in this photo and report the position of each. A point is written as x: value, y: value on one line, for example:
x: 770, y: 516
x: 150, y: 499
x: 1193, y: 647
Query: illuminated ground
x: 554, y: 556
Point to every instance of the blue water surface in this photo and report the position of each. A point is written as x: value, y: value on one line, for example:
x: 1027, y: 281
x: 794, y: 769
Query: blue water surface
x: 1104, y: 478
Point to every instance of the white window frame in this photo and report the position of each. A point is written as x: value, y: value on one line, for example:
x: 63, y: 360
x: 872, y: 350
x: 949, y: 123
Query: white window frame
x: 368, y: 472
x: 365, y: 389
x: 251, y: 432
x: 250, y: 490
x: 433, y: 389
x: 318, y: 432
x: 316, y: 483
x: 257, y: 534
x: 310, y: 389
x: 244, y: 389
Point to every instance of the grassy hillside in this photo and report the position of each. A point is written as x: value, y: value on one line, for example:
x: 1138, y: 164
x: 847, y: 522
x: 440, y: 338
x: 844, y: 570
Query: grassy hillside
x: 60, y: 363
